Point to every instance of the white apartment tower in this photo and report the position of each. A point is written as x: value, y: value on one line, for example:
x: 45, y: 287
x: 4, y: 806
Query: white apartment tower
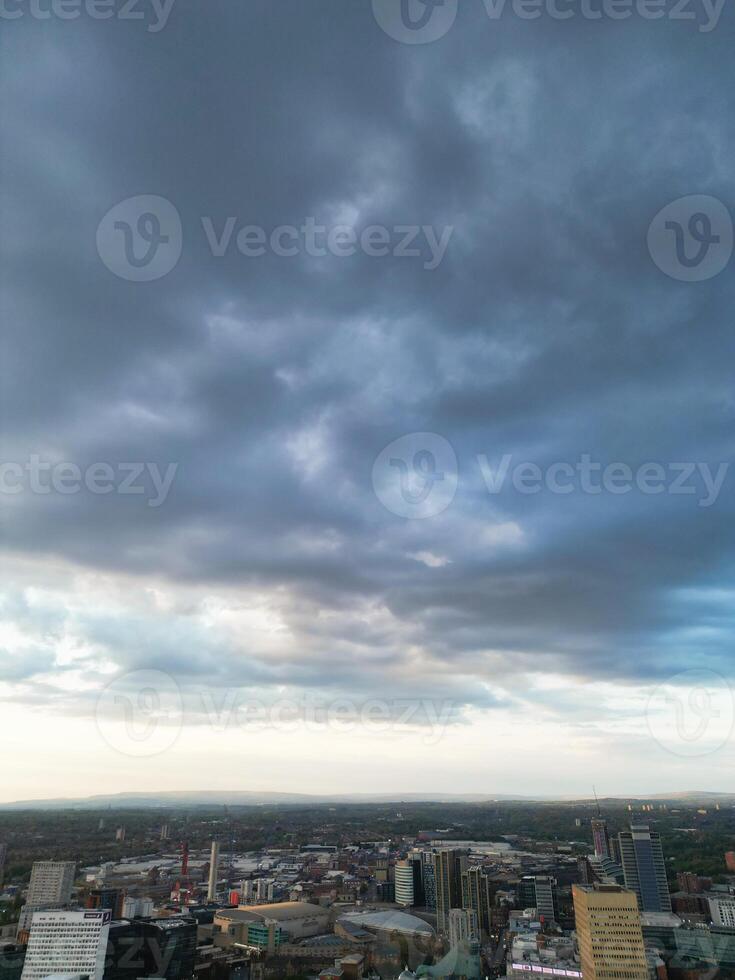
x: 50, y: 887
x: 64, y: 942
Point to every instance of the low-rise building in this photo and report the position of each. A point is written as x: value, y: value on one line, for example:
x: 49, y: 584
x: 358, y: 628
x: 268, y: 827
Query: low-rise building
x: 265, y: 927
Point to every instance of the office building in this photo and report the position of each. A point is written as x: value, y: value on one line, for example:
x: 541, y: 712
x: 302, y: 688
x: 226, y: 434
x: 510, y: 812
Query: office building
x: 12, y: 958
x: 404, y: 883
x: 538, y: 892
x: 417, y: 860
x: 722, y: 910
x: 546, y: 900
x: 106, y: 898
x: 609, y: 933
x: 176, y: 947
x: 132, y: 950
x: 449, y: 863
x: 67, y: 942
x: 164, y: 948
x: 50, y: 888
x: 644, y: 869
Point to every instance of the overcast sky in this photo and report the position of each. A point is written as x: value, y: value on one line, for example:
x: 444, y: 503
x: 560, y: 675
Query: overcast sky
x: 487, y: 629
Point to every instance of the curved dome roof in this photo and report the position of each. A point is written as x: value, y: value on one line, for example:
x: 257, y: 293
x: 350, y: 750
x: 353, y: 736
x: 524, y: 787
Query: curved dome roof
x: 388, y: 920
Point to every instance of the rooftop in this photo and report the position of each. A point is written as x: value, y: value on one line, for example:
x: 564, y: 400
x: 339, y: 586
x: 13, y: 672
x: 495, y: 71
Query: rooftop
x: 282, y: 911
x: 390, y: 919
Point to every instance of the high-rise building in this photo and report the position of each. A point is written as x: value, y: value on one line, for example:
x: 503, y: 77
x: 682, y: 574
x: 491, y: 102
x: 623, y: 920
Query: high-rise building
x: 477, y: 894
x: 463, y: 927
x: 213, y: 871
x: 50, y: 888
x: 429, y: 886
x: 609, y: 933
x: 600, y: 838
x: 644, y: 869
x: 546, y: 900
x: 449, y: 863
x: 404, y: 883
x: 417, y: 859
x: 67, y: 942
x: 538, y: 892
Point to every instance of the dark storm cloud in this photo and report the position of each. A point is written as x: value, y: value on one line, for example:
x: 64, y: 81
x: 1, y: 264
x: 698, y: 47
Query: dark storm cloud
x: 546, y: 332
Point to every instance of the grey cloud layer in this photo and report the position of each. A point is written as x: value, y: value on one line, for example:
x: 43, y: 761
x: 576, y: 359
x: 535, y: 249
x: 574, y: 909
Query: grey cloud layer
x: 546, y: 331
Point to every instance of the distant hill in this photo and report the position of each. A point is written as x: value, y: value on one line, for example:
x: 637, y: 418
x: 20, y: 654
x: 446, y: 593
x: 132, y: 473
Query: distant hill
x: 203, y: 798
